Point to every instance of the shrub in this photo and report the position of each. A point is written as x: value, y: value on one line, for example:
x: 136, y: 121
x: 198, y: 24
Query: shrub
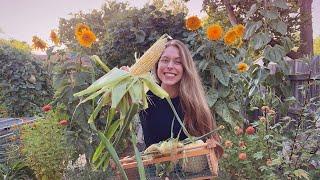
x: 24, y: 82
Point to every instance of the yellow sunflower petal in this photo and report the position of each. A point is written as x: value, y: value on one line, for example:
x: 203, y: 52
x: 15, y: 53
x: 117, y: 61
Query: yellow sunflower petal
x: 38, y: 43
x: 80, y: 28
x: 86, y: 38
x: 230, y: 37
x: 242, y: 67
x: 214, y: 32
x: 193, y: 23
x: 54, y: 38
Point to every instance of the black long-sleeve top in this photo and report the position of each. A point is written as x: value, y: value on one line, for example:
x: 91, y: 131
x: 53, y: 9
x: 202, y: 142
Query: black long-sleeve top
x: 157, y: 119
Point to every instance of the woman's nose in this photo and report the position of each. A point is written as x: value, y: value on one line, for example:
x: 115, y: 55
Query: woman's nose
x: 170, y: 64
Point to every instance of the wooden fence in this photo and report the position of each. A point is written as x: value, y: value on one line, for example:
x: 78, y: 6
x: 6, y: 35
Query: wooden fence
x: 304, y: 74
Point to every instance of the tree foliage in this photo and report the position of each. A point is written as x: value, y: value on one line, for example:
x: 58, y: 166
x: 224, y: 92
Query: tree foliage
x: 290, y: 12
x: 25, y: 83
x: 316, y: 46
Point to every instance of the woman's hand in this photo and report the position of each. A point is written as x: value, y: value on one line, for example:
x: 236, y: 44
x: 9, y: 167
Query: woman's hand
x: 125, y: 68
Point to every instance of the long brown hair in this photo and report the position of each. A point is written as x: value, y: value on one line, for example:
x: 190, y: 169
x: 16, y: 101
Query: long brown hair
x: 197, y: 115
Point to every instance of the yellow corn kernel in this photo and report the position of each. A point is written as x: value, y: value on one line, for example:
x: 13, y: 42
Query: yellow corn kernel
x: 146, y: 62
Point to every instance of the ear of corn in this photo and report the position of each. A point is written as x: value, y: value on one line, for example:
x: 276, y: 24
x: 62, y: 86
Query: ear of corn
x: 150, y: 57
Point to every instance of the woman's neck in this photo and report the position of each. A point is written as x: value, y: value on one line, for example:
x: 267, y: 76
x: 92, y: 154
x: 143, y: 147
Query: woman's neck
x: 173, y: 91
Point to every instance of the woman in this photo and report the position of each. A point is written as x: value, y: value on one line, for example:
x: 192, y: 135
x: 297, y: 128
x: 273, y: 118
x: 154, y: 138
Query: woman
x: 177, y: 74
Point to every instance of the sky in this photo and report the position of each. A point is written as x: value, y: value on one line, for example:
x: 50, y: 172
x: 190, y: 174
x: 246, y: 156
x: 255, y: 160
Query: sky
x: 21, y: 19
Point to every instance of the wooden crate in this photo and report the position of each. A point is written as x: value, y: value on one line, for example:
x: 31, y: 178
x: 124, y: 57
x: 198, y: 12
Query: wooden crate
x: 201, y: 155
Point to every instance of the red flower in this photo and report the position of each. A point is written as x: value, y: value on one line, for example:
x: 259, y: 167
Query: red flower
x: 242, y: 156
x: 250, y: 130
x: 46, y: 108
x: 63, y: 122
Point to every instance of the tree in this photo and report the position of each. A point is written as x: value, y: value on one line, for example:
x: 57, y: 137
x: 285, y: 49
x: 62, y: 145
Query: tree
x: 297, y: 15
x: 316, y: 45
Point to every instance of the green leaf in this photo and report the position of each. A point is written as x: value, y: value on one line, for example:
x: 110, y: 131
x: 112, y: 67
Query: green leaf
x: 274, y: 54
x: 140, y: 36
x: 113, y: 154
x: 223, y: 111
x: 258, y: 155
x: 279, y: 26
x: 212, y: 97
x: 138, y: 157
x: 235, y: 105
x: 287, y: 44
x: 280, y: 4
x: 98, y: 61
x: 259, y: 40
x: 154, y: 87
x: 223, y: 91
x: 108, y: 80
x: 301, y: 173
x: 251, y: 28
x: 203, y: 64
x: 119, y: 91
x: 271, y: 14
x: 221, y: 74
x: 100, y: 104
x: 252, y: 10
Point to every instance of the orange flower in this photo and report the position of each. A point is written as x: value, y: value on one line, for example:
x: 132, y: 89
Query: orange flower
x: 63, y: 122
x: 80, y: 28
x: 242, y: 67
x: 38, y: 43
x: 250, y: 130
x: 242, y: 156
x: 193, y: 23
x: 239, y: 29
x: 54, y: 38
x: 230, y: 37
x: 214, y: 32
x: 228, y: 144
x: 46, y: 108
x: 86, y: 38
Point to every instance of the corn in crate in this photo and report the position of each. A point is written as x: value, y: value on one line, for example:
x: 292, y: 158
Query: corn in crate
x: 173, y: 160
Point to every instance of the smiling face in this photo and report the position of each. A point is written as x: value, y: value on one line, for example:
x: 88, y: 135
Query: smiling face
x: 170, y: 68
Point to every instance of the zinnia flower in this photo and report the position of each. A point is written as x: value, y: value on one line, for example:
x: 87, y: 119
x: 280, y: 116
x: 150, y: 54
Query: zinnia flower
x: 80, y: 28
x: 228, y: 144
x: 63, y: 122
x: 242, y: 156
x: 54, y: 38
x: 86, y: 38
x: 46, y: 108
x: 214, y: 32
x: 193, y: 23
x: 239, y: 29
x: 230, y: 37
x: 38, y: 43
x: 242, y: 67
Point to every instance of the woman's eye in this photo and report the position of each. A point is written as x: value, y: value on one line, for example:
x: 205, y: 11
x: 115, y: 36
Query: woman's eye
x: 164, y: 60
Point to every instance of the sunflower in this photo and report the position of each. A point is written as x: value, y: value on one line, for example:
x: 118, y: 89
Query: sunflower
x: 193, y: 23
x: 214, y: 32
x: 54, y: 38
x: 242, y: 67
x: 80, y: 28
x: 230, y: 37
x: 239, y: 29
x: 86, y: 38
x: 38, y: 43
